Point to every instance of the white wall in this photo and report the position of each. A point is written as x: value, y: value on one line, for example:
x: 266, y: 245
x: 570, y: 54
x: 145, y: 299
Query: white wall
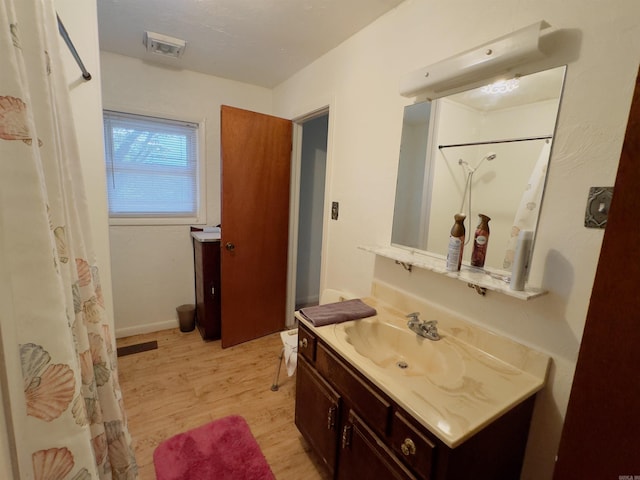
x: 601, y: 44
x: 81, y: 21
x: 153, y: 265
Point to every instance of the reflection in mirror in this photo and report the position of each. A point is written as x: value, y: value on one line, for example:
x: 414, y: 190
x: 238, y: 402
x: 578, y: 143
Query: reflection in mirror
x: 483, y: 151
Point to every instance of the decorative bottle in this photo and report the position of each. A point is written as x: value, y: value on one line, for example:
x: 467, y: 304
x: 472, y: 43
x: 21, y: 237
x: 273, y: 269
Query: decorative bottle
x: 480, y: 242
x: 456, y: 243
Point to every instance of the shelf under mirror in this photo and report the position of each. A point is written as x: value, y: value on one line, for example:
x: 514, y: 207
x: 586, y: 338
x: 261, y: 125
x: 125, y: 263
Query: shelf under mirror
x: 481, y: 279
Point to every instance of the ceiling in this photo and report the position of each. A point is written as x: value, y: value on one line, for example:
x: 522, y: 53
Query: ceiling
x: 261, y: 42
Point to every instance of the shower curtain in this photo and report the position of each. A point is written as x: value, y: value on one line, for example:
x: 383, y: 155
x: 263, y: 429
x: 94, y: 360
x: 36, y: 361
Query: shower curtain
x: 527, y: 213
x: 58, y: 358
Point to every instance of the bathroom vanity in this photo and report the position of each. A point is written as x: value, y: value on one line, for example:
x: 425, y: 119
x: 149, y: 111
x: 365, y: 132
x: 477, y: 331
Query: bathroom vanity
x: 374, y: 400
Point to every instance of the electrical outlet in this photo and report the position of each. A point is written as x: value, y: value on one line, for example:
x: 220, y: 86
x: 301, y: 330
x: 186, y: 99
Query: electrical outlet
x: 598, y: 205
x: 334, y: 210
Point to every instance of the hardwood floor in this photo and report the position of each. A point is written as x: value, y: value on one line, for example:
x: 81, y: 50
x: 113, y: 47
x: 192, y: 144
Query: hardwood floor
x: 187, y: 382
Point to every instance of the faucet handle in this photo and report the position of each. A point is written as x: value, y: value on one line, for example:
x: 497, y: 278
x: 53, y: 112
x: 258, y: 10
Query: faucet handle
x: 413, y: 317
x: 430, y: 329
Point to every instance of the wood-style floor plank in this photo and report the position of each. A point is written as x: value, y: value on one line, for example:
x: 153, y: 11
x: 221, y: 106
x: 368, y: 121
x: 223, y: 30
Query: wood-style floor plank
x: 188, y: 382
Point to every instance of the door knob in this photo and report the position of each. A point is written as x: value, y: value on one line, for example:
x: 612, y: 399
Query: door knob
x: 230, y: 246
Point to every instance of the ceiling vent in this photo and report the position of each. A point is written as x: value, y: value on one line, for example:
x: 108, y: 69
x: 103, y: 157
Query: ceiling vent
x: 164, y: 44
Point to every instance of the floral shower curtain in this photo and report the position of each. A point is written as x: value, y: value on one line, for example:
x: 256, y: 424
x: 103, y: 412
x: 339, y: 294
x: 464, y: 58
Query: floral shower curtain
x: 527, y: 214
x: 60, y: 375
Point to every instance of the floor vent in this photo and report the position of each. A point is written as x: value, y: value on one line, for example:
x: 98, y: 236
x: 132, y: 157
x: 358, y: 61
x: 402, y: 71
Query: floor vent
x: 137, y: 348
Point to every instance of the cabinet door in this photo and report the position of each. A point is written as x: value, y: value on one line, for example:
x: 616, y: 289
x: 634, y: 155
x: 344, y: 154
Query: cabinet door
x: 200, y: 285
x: 317, y: 413
x: 363, y: 455
x: 213, y: 290
x: 207, y: 278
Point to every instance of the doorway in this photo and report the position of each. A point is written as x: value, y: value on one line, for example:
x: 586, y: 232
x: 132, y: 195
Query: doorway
x: 312, y: 167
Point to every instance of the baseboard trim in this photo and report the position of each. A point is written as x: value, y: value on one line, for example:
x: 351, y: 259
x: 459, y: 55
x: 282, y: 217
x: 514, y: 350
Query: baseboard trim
x: 146, y: 328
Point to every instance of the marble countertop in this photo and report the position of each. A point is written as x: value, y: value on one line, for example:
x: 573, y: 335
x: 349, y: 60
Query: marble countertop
x: 485, y: 376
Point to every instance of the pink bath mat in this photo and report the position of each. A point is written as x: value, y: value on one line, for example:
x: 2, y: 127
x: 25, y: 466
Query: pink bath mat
x: 223, y: 450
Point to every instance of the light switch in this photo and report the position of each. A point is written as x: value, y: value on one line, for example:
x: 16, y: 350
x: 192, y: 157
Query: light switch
x: 598, y: 205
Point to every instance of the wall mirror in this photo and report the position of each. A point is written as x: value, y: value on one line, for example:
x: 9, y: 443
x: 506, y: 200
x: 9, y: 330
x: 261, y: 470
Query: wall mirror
x: 482, y: 151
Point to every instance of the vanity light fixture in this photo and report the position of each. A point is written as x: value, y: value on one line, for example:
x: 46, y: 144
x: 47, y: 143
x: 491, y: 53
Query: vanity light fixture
x: 501, y: 86
x: 163, y: 44
x: 486, y: 61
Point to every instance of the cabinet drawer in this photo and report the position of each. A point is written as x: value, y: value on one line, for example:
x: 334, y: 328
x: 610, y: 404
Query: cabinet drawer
x: 413, y: 447
x: 364, y: 455
x: 373, y: 408
x: 306, y: 344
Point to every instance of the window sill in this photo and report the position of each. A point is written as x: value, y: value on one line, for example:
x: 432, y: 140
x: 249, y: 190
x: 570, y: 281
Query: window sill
x: 151, y: 221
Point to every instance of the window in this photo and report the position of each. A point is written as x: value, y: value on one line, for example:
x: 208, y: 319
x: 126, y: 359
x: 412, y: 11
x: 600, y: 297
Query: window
x: 152, y: 167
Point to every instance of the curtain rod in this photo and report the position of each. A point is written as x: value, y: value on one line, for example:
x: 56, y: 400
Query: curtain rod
x: 63, y: 32
x: 511, y: 140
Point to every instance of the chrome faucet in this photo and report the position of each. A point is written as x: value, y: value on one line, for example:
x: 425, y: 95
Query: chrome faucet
x: 424, y: 329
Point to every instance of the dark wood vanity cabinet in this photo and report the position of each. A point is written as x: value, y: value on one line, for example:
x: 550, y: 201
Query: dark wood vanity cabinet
x: 317, y: 413
x: 206, y: 256
x: 359, y: 432
x: 321, y: 417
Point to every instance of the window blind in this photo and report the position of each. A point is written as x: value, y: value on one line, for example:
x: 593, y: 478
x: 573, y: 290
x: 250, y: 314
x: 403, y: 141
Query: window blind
x: 152, y: 166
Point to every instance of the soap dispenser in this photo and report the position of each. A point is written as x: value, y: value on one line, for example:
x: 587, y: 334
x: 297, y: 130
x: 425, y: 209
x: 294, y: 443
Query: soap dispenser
x: 480, y: 242
x: 456, y: 243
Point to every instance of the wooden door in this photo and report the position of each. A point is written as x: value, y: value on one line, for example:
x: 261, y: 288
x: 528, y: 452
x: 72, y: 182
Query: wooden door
x: 255, y: 170
x: 601, y: 433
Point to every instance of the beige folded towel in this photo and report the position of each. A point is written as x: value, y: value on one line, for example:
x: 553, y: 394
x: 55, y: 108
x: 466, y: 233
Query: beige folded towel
x: 337, y: 312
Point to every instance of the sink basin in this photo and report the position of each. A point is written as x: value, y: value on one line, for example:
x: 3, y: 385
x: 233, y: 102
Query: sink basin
x: 399, y: 351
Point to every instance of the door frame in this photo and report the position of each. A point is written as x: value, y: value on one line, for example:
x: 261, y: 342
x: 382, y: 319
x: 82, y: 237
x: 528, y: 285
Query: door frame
x: 320, y: 109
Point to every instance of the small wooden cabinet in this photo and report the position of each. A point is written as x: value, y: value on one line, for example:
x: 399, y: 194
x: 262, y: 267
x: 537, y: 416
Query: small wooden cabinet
x: 206, y: 256
x: 359, y: 432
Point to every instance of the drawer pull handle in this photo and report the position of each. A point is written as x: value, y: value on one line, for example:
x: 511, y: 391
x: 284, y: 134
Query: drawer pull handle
x: 303, y: 343
x: 408, y: 447
x: 331, y: 417
x: 346, y: 436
